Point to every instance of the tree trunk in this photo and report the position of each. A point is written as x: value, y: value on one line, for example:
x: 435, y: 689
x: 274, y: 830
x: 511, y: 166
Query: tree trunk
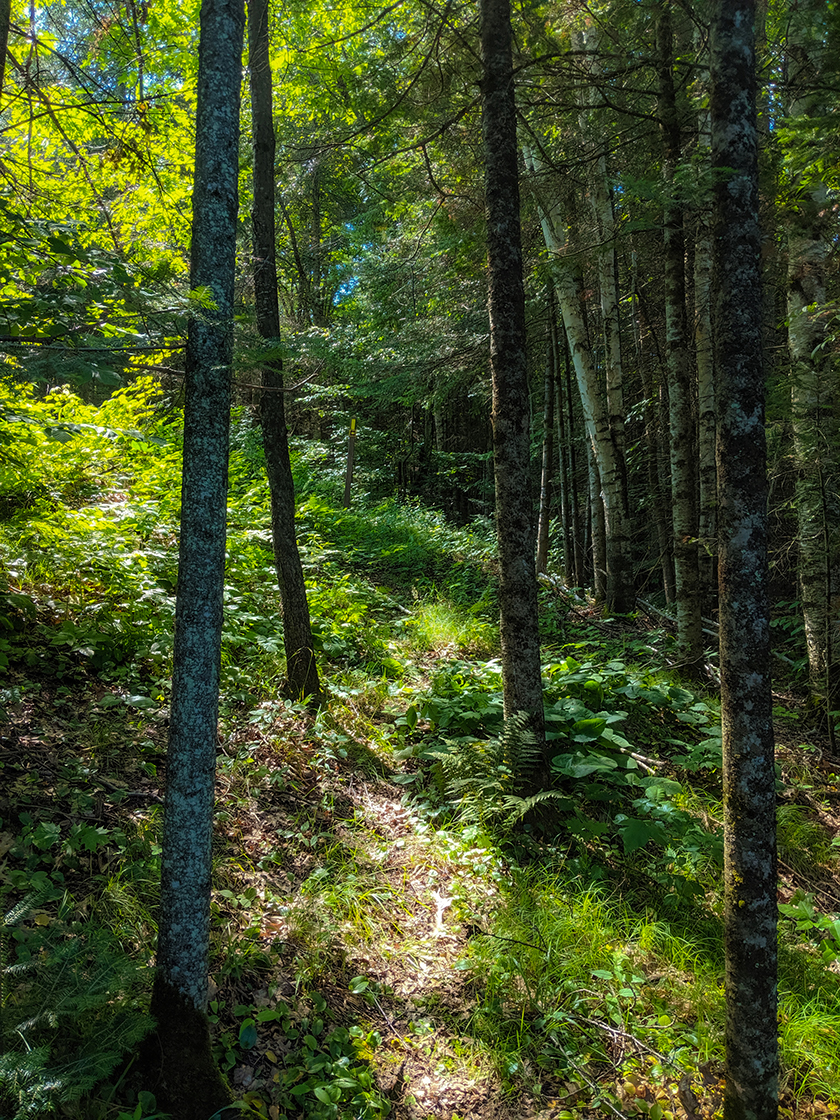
x: 563, y: 469
x: 657, y: 486
x: 620, y: 592
x: 601, y: 203
x: 598, y: 531
x: 703, y: 349
x: 749, y: 789
x: 814, y: 391
x: 5, y: 20
x: 547, y: 472
x: 572, y: 470
x: 521, y: 677
x: 301, y: 668
x: 191, y: 1083
x: 678, y: 360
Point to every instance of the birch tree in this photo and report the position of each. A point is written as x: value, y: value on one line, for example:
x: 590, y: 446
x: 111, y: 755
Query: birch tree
x: 606, y: 450
x: 547, y: 467
x: 190, y: 1080
x: 749, y: 787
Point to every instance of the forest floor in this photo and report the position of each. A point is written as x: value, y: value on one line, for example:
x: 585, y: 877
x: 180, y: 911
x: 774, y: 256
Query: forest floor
x: 342, y: 901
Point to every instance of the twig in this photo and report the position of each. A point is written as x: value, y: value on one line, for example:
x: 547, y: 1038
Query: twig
x: 114, y: 788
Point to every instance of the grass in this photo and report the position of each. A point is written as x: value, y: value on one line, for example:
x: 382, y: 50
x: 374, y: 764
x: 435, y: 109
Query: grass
x: 443, y: 627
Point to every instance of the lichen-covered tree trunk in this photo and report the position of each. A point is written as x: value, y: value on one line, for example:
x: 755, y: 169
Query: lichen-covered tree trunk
x: 749, y: 787
x: 604, y: 228
x: 190, y: 1082
x: 678, y: 360
x: 5, y: 20
x: 547, y: 471
x: 568, y: 464
x: 620, y: 593
x: 815, y: 395
x: 598, y: 531
x: 522, y: 682
x: 301, y: 668
x: 704, y: 356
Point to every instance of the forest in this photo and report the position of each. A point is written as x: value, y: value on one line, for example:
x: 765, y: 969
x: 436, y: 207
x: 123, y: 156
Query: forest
x: 419, y: 560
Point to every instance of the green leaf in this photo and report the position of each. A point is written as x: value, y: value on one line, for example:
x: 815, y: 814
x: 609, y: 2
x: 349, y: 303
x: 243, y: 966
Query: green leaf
x: 247, y: 1034
x: 46, y: 835
x: 579, y: 765
x: 636, y: 833
x: 588, y: 730
x: 140, y: 702
x: 58, y: 245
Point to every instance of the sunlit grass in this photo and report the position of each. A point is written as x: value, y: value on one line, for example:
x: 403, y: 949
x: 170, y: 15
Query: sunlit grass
x: 802, y: 841
x: 808, y: 1034
x: 441, y: 626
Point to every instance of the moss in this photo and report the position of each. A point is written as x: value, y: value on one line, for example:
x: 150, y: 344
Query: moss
x: 178, y: 1058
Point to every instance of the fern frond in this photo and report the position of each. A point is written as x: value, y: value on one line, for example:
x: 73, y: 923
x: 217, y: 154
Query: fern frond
x: 70, y: 1013
x: 481, y: 777
x: 21, y: 911
x: 517, y: 807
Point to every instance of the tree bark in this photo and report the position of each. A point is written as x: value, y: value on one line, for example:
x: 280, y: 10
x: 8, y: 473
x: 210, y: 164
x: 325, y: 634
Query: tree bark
x: 601, y: 204
x: 655, y: 455
x: 678, y: 360
x: 704, y: 354
x: 191, y: 1083
x: 598, y: 531
x: 814, y: 391
x: 301, y: 667
x: 572, y: 468
x: 750, y: 915
x: 620, y: 594
x: 5, y: 20
x: 547, y: 471
x: 522, y: 683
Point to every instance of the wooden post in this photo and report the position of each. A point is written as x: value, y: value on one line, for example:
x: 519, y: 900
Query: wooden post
x: 351, y: 448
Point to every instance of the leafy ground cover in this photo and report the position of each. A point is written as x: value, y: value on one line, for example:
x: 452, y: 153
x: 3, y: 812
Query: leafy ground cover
x: 413, y: 916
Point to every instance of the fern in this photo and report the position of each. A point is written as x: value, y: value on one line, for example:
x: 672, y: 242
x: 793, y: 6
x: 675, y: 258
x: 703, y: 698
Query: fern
x: 484, y: 777
x: 68, y: 1012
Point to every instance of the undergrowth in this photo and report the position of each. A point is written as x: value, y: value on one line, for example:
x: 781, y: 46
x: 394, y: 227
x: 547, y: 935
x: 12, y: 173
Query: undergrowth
x: 562, y: 907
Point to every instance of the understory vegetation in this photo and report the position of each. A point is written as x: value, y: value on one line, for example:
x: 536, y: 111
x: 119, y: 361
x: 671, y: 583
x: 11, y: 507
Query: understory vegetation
x: 415, y: 913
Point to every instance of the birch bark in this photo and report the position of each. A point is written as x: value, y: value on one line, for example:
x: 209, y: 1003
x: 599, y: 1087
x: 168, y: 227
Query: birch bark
x: 547, y: 471
x: 604, y: 229
x: 620, y: 595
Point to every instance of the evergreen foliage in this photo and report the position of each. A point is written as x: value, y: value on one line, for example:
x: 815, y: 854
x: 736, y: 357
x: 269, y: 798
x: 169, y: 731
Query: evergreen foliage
x: 70, y: 1007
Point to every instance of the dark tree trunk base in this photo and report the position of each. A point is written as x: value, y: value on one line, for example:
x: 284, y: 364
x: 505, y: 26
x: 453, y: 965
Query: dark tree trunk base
x: 197, y: 1091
